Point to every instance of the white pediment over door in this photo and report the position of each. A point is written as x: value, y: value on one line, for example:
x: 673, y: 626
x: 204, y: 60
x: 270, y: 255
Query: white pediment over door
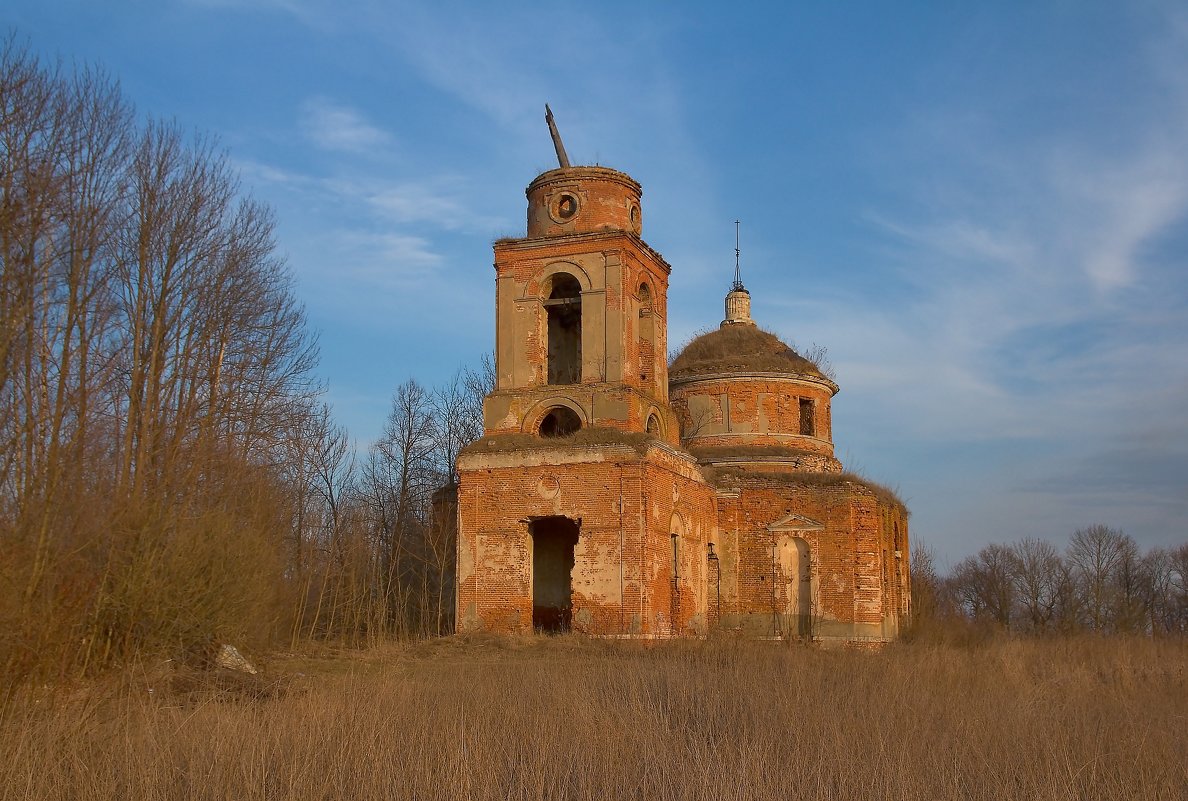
x: 795, y: 522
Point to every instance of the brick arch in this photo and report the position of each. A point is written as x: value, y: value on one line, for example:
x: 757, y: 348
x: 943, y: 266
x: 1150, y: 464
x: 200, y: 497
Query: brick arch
x: 537, y: 283
x: 654, y: 411
x: 537, y: 412
x: 643, y: 279
x: 676, y: 524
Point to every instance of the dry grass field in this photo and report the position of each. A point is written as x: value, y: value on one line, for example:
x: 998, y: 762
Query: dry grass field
x: 570, y: 718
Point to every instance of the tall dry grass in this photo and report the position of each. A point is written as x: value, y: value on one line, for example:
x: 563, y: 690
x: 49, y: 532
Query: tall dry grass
x: 582, y: 719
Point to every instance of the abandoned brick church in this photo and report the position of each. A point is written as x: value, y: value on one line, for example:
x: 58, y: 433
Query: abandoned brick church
x: 616, y: 494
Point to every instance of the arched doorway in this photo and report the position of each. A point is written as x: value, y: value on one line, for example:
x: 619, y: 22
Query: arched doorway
x: 794, y: 566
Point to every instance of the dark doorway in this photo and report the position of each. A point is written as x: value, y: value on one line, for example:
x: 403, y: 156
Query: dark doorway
x: 564, y: 307
x: 553, y: 539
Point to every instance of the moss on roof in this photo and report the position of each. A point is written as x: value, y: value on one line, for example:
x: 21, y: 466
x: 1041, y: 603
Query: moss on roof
x: 724, y: 477
x: 739, y: 348
x: 759, y: 452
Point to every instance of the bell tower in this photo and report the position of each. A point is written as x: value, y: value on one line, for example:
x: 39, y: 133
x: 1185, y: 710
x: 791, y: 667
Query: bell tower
x: 577, y: 509
x: 581, y: 304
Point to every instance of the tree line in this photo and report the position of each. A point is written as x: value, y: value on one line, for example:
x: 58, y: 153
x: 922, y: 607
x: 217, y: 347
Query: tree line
x: 169, y: 475
x: 1101, y: 582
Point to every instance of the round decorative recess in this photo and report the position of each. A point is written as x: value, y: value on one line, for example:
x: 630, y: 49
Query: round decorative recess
x: 563, y: 207
x: 548, y: 487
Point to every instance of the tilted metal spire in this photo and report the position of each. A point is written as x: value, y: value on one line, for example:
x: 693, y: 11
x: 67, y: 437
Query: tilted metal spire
x: 562, y: 159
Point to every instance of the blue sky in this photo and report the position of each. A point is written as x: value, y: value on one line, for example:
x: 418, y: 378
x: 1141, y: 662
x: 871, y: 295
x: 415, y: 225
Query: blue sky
x: 981, y: 210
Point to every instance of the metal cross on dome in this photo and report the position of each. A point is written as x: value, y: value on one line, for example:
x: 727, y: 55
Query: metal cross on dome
x: 737, y: 286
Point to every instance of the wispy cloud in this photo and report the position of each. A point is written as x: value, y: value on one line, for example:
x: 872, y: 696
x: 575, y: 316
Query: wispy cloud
x: 1114, y: 209
x: 382, y: 260
x: 335, y: 126
x: 315, y: 14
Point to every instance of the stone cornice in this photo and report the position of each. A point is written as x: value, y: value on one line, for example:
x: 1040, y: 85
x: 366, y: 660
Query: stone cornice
x: 528, y: 244
x: 742, y: 376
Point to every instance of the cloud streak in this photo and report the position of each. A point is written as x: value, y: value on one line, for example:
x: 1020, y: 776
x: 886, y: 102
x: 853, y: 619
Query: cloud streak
x: 334, y: 126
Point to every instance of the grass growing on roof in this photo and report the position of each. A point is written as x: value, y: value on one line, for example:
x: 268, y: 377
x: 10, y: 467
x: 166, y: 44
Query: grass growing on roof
x: 743, y: 348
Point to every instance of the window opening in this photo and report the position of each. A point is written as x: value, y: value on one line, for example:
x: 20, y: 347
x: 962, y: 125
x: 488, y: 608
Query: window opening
x: 567, y: 206
x: 560, y: 422
x: 654, y: 425
x: 646, y: 348
x: 807, y: 424
x: 564, y: 310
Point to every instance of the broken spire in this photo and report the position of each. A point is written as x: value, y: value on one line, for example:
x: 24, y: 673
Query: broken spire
x: 562, y: 159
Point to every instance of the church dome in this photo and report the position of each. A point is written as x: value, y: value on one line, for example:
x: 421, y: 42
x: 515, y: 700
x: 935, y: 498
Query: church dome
x: 740, y: 349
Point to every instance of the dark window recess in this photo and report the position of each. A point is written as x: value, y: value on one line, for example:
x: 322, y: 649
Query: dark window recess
x: 560, y: 422
x: 564, y: 309
x: 567, y: 207
x: 807, y: 423
x: 553, y: 540
x: 654, y: 425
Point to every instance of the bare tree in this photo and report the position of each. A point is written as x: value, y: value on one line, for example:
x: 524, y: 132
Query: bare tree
x: 1096, y: 555
x: 402, y: 478
x: 1039, y: 579
x: 1177, y: 593
x: 152, y: 357
x: 985, y: 584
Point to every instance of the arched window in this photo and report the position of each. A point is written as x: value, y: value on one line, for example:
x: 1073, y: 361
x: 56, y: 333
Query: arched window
x: 646, y: 347
x: 564, y: 310
x: 653, y: 425
x: 561, y: 421
x: 645, y: 296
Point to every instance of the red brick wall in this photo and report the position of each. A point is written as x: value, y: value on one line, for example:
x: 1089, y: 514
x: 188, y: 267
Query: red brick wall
x: 606, y: 200
x: 611, y: 268
x: 848, y: 552
x: 762, y: 411
x: 622, y: 577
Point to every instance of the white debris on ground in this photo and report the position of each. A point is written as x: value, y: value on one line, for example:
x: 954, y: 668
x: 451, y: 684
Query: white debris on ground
x: 229, y: 657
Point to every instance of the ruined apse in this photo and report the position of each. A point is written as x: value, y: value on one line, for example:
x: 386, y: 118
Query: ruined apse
x: 616, y: 494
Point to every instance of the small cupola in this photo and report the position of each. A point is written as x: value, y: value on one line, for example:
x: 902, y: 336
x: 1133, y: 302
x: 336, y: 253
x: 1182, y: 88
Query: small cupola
x: 738, y: 299
x: 738, y: 307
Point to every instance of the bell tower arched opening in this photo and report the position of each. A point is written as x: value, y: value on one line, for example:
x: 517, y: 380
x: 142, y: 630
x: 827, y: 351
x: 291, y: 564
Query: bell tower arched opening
x: 560, y: 422
x: 564, y: 310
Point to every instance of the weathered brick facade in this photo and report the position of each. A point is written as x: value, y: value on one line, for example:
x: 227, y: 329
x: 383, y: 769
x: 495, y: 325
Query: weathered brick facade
x: 597, y: 503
